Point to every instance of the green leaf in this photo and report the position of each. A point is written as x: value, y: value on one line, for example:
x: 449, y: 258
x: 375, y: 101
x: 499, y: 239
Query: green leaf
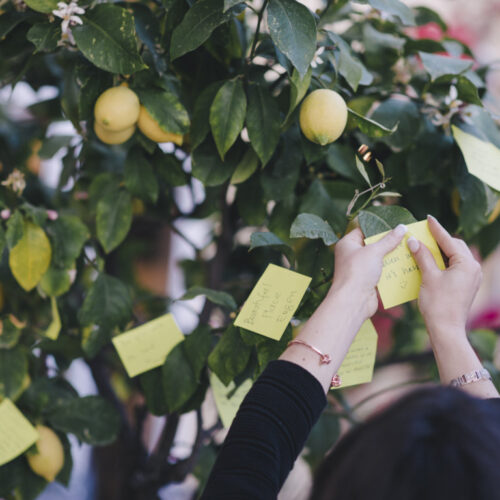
x: 166, y: 109
x: 368, y: 126
x: 197, y: 347
x: 198, y: 24
x: 350, y: 68
x: 227, y: 114
x: 45, y: 393
x: 3, y: 240
x: 230, y: 356
x: 68, y: 234
x: 376, y: 220
x: 269, y: 349
x: 108, y: 303
x: 30, y: 258
x: 179, y: 380
x: 94, y: 338
x: 362, y: 170
x: 14, y: 376
x: 140, y: 179
x: 298, y: 89
x: 268, y: 239
x: 467, y: 91
x: 473, y: 206
x: 395, y: 8
x: 107, y: 39
x: 293, y: 30
x: 9, y: 333
x: 15, y: 229
x: 377, y: 40
x: 323, y: 436
x: 251, y: 202
x: 263, y: 122
x: 200, y: 125
x: 44, y: 36
x: 438, y: 66
x: 45, y: 6
x: 313, y: 227
x: 91, y: 419
x: 341, y: 159
x: 208, y: 167
x: 230, y: 3
x: 54, y: 327
x: 114, y: 218
x: 152, y: 387
x: 246, y: 167
x: 169, y: 168
x: 219, y: 298
x: 55, y: 282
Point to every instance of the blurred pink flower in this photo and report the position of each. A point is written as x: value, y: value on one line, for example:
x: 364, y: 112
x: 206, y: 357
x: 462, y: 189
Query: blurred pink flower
x: 488, y: 318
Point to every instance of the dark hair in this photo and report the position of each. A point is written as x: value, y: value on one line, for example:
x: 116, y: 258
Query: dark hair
x: 434, y: 444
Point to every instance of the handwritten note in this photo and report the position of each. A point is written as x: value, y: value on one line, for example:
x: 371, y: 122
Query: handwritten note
x: 272, y: 302
x: 401, y: 278
x: 357, y: 367
x: 148, y: 345
x: 228, y: 400
x: 482, y: 158
x: 16, y: 432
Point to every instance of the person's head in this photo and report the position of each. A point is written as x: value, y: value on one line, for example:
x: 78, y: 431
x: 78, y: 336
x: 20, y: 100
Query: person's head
x: 434, y: 444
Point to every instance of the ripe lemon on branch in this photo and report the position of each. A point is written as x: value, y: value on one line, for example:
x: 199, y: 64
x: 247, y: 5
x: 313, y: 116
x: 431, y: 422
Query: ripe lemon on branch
x: 323, y: 116
x: 152, y: 130
x: 49, y: 459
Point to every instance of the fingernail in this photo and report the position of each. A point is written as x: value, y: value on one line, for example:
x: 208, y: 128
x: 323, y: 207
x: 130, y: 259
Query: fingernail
x: 413, y: 244
x: 429, y: 216
x: 400, y: 229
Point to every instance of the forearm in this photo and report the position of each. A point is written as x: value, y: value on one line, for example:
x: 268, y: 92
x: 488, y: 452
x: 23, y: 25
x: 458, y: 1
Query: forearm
x: 455, y: 357
x: 331, y: 329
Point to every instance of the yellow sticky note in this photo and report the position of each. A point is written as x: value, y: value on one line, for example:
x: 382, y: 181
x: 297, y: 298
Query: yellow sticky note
x: 16, y: 432
x: 482, y: 158
x: 271, y: 304
x: 148, y: 345
x: 228, y: 400
x: 401, y: 278
x: 357, y: 367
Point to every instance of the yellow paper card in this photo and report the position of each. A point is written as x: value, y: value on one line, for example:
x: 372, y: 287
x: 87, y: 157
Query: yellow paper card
x: 357, y: 367
x: 148, y: 345
x: 271, y: 304
x: 482, y: 158
x: 227, y: 400
x: 16, y: 432
x: 401, y: 278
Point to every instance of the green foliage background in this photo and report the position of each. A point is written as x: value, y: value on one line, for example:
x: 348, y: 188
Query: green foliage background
x: 209, y: 69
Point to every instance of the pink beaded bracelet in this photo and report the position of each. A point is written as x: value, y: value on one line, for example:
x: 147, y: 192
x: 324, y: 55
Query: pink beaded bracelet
x: 324, y: 359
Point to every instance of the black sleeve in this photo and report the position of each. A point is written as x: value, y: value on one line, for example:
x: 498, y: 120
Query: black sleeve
x: 267, y: 434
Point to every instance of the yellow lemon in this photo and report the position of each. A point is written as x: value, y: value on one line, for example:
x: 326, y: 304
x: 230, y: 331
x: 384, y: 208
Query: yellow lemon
x: 49, y: 460
x: 323, y: 116
x: 495, y: 213
x: 152, y: 130
x: 113, y: 137
x: 117, y: 109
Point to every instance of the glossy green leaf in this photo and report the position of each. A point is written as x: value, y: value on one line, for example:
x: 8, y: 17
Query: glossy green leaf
x: 293, y: 29
x: 268, y: 239
x: 246, y: 167
x: 208, y: 167
x: 395, y: 8
x: 68, y: 234
x: 140, y: 178
x: 55, y: 282
x: 438, y: 66
x: 368, y: 126
x: 114, y: 218
x: 217, y: 297
x: 152, y: 386
x: 200, y: 125
x: 15, y: 229
x: 467, y: 91
x: 44, y: 36
x: 14, y: 376
x: 227, y: 114
x: 45, y: 6
x: 382, y: 218
x: 197, y: 347
x: 10, y: 333
x: 313, y: 227
x: 299, y: 85
x: 107, y: 39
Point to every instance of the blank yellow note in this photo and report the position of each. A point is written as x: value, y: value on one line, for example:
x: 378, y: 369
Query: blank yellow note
x: 16, y: 433
x: 272, y: 302
x: 148, y: 345
x: 357, y: 367
x: 401, y: 278
x: 482, y: 158
x: 227, y: 407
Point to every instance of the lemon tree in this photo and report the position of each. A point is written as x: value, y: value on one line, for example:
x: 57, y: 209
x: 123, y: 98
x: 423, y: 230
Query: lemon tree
x: 261, y: 120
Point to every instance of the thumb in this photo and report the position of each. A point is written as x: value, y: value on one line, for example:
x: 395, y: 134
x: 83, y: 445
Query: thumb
x: 391, y: 240
x: 422, y: 256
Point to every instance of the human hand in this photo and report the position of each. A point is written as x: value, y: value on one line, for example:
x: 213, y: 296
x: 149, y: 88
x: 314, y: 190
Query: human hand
x: 446, y: 295
x: 358, y: 267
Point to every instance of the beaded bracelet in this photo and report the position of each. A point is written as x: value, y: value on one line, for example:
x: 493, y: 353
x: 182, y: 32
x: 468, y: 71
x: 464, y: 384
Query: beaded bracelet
x: 324, y: 359
x: 471, y: 377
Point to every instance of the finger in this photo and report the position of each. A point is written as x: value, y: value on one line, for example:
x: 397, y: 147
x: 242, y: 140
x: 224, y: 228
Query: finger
x: 449, y: 245
x: 391, y: 240
x: 353, y: 239
x: 422, y: 255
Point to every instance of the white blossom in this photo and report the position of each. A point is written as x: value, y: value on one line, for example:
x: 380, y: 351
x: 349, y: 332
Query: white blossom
x: 15, y: 181
x: 317, y: 60
x: 69, y: 13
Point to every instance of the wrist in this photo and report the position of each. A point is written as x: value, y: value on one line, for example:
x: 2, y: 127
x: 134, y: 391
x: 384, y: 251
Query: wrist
x: 347, y: 298
x: 447, y: 336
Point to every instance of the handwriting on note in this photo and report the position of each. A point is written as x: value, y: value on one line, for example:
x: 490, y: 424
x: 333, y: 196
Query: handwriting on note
x: 227, y: 399
x: 148, y: 345
x: 401, y: 278
x: 271, y: 304
x: 357, y: 367
x: 16, y: 432
x: 482, y: 158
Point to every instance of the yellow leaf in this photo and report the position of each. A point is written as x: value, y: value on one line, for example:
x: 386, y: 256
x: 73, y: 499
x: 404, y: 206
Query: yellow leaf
x: 30, y: 258
x: 54, y: 328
